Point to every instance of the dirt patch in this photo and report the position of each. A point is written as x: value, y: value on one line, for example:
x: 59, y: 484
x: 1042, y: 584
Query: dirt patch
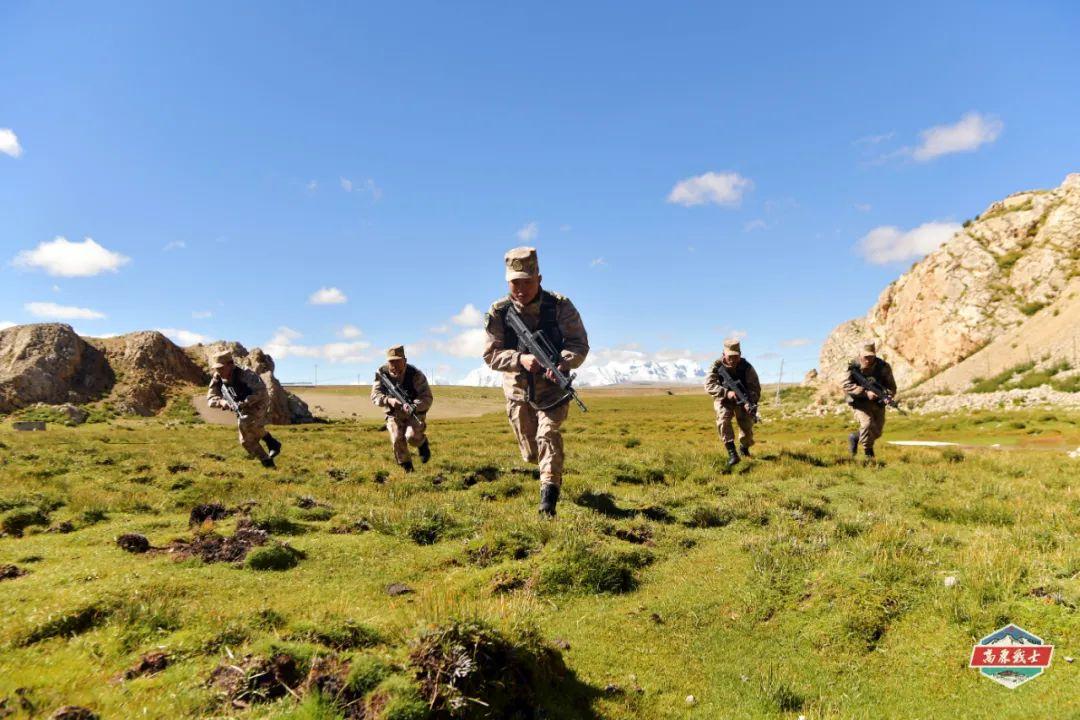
x: 207, y: 511
x: 211, y: 547
x: 256, y: 679
x: 133, y: 543
x: 73, y: 712
x: 10, y: 572
x: 396, y: 589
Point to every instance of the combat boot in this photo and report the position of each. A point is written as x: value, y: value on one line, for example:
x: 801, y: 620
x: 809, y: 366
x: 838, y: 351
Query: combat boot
x: 744, y: 450
x: 407, y: 466
x: 425, y: 452
x: 267, y: 462
x: 272, y: 445
x: 869, y: 452
x: 549, y: 497
x: 853, y: 443
x: 732, y: 454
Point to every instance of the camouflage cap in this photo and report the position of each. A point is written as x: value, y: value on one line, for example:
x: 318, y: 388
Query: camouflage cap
x: 868, y: 349
x: 732, y: 347
x: 221, y: 359
x: 396, y: 353
x: 521, y: 263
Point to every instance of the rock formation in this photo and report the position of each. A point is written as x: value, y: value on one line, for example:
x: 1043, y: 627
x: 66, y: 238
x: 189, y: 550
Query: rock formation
x: 285, y: 408
x: 49, y: 363
x: 998, y: 271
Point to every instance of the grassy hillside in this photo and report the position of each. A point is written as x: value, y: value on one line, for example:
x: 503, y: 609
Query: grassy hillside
x: 800, y: 584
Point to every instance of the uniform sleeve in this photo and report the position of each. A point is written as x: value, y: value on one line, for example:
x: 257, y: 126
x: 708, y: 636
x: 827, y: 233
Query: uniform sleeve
x: 379, y: 398
x: 753, y: 385
x: 260, y: 396
x: 850, y: 386
x: 575, y: 339
x: 422, y: 392
x: 496, y: 355
x: 214, y: 397
x: 713, y: 385
x: 887, y: 379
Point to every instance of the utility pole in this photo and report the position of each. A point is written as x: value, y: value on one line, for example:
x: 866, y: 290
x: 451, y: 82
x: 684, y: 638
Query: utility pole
x: 316, y: 374
x: 779, y: 381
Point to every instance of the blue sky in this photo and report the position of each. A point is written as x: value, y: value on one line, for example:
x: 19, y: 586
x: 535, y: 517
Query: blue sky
x: 686, y: 171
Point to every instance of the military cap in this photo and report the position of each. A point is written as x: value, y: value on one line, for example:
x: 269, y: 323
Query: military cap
x: 732, y: 347
x: 222, y: 359
x: 396, y: 353
x: 868, y: 349
x: 521, y: 263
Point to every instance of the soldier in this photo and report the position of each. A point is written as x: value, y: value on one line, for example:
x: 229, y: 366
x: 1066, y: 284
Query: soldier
x: 868, y: 410
x: 530, y: 393
x: 404, y: 429
x: 726, y: 402
x: 253, y: 400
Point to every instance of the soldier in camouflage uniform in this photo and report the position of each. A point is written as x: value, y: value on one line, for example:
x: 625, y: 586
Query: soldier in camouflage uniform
x: 726, y: 404
x: 404, y: 429
x: 531, y: 397
x: 869, y: 413
x: 253, y: 400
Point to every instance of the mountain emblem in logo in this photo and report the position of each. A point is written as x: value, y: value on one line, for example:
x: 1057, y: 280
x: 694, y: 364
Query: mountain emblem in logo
x: 1011, y: 656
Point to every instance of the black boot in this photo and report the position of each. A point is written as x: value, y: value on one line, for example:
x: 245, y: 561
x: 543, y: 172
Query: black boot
x: 732, y: 454
x: 267, y: 462
x: 853, y: 444
x: 869, y: 452
x: 744, y: 450
x: 272, y: 445
x: 425, y: 452
x: 549, y: 496
x: 407, y: 466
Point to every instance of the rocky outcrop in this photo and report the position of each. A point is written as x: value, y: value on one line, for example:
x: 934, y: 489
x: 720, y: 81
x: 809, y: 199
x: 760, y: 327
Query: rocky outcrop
x: 285, y: 408
x: 49, y: 363
x: 1002, y: 268
x: 148, y: 367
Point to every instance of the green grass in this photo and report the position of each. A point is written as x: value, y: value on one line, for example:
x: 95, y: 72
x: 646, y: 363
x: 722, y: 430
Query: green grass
x: 799, y: 583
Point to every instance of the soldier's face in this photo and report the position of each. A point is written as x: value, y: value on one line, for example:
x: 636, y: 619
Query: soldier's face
x: 731, y: 360
x: 397, y: 367
x: 524, y: 290
x: 226, y: 371
x: 866, y: 361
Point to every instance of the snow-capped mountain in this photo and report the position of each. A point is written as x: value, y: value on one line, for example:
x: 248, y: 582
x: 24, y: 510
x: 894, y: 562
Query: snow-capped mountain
x: 674, y: 372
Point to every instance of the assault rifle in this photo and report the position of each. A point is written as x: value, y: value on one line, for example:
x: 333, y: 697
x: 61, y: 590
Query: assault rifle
x: 537, y: 345
x: 884, y: 397
x: 732, y: 385
x: 397, y: 393
x: 232, y: 401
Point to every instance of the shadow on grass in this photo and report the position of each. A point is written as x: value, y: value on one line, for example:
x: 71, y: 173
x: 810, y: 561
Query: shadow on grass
x: 604, y: 503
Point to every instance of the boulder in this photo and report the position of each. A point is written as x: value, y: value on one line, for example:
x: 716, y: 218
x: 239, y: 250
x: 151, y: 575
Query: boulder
x: 49, y: 363
x: 149, y: 369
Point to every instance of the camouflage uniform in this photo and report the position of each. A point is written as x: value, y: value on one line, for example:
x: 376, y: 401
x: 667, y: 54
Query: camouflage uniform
x: 538, y: 432
x: 405, y: 430
x: 869, y: 413
x: 251, y: 392
x: 727, y: 409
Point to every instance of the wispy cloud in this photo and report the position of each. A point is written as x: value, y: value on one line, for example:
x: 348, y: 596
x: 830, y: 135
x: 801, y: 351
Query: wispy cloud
x: 863, y: 207
x: 757, y: 224
x: 888, y: 243
x: 350, y: 332
x: 598, y: 263
x: 967, y: 134
x: 202, y: 314
x: 63, y: 258
x: 726, y: 188
x: 174, y: 245
x: 283, y: 344
x: 795, y: 342
x: 52, y: 311
x: 9, y: 143
x: 367, y: 185
x: 874, y: 139
x: 327, y: 296
x: 312, y: 186
x: 346, y: 184
x: 183, y: 337
x: 469, y: 316
x: 529, y: 232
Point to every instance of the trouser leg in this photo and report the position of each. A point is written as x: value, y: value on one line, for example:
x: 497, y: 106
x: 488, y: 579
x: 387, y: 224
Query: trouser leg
x: 524, y: 421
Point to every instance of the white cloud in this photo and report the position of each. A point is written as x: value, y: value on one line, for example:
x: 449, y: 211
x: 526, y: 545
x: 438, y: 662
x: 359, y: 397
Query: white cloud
x: 753, y: 225
x: 440, y: 329
x: 56, y: 288
x: 350, y: 332
x: 174, y: 245
x: 598, y: 262
x: 887, y: 243
x: 9, y: 143
x: 737, y: 334
x: 202, y: 314
x: 283, y: 344
x: 71, y: 259
x: 863, y: 207
x: 183, y: 337
x: 795, y: 342
x: 375, y: 190
x: 875, y: 139
x: 346, y: 184
x: 529, y: 232
x: 725, y: 188
x: 367, y: 185
x: 53, y: 311
x: 5, y: 324
x: 467, y: 344
x: 468, y: 317
x: 967, y: 134
x: 327, y: 296
x: 312, y: 186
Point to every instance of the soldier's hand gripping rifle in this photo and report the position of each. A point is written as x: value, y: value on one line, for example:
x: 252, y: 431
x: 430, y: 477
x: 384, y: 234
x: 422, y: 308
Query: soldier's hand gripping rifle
x: 731, y: 384
x: 398, y: 394
x: 537, y: 345
x: 231, y: 400
x: 884, y: 397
